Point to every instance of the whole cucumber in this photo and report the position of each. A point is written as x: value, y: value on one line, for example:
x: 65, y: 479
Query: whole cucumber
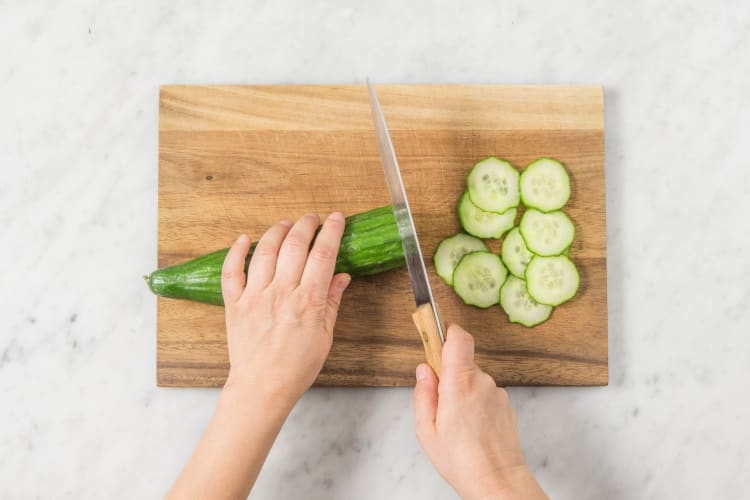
x: 370, y: 245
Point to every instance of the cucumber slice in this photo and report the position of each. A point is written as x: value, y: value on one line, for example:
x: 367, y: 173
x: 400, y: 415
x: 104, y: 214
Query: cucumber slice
x: 481, y: 223
x: 547, y: 234
x: 519, y: 306
x: 552, y: 280
x: 545, y: 185
x: 478, y: 278
x: 515, y: 254
x: 493, y: 185
x: 450, y: 251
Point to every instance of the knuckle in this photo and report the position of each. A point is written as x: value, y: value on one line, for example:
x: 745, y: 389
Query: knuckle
x: 463, y: 338
x: 264, y: 251
x: 312, y: 218
x: 310, y: 298
x: 337, y: 224
x: 471, y: 381
x: 323, y: 252
x: 296, y: 241
x: 467, y: 341
x: 229, y: 274
x: 474, y: 380
x: 280, y: 293
x: 420, y: 394
x: 333, y: 303
x: 488, y: 382
x: 458, y: 381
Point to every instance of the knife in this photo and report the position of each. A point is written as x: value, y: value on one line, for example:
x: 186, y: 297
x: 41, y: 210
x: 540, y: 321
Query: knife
x: 426, y: 316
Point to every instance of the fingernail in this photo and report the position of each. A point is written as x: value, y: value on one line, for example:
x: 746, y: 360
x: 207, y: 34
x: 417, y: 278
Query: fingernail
x: 455, y: 327
x: 286, y: 223
x: 346, y: 281
x: 242, y: 239
x: 336, y: 216
x: 421, y: 372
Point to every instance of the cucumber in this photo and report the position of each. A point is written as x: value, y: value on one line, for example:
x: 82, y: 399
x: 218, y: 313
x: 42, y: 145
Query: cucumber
x: 519, y: 306
x: 493, y: 185
x: 370, y: 245
x: 450, y: 251
x: 547, y: 234
x: 515, y: 254
x: 545, y: 185
x: 478, y: 277
x: 552, y: 280
x: 481, y: 223
x: 536, y: 253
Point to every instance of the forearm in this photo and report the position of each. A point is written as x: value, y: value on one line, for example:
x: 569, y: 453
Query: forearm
x: 231, y: 453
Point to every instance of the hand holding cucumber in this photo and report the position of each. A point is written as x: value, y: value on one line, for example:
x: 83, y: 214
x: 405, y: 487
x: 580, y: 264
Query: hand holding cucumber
x: 280, y: 325
x: 279, y: 320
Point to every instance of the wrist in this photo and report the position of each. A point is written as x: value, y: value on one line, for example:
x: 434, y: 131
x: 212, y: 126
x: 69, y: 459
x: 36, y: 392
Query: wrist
x: 250, y: 392
x: 514, y: 483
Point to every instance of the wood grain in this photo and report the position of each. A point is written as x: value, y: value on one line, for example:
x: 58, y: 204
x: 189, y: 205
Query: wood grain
x: 237, y: 158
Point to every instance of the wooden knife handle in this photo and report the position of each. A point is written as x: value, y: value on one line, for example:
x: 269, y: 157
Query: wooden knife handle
x: 424, y: 318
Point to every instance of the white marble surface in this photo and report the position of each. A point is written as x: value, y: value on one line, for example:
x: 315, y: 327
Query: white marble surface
x: 80, y: 416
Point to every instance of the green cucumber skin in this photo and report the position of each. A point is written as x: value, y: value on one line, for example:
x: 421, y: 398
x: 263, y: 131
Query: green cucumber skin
x: 370, y: 245
x: 518, y: 184
x: 519, y: 321
x: 566, y: 299
x: 566, y: 249
x: 449, y: 279
x: 469, y: 303
x: 525, y: 325
x: 531, y: 205
x: 466, y: 198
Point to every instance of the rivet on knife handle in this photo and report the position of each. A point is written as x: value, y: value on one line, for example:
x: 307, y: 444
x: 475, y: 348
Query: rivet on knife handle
x: 424, y: 318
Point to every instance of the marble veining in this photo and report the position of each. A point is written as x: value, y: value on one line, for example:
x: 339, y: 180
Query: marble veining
x: 80, y: 416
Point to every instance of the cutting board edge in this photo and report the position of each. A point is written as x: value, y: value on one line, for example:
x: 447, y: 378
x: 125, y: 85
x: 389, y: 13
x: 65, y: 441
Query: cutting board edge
x: 506, y: 106
x: 171, y: 382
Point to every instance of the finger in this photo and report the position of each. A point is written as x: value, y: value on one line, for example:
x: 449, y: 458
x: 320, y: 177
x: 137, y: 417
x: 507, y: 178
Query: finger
x: 233, y: 270
x: 322, y: 259
x: 425, y: 403
x: 294, y: 250
x: 263, y: 262
x: 339, y: 283
x: 458, y: 351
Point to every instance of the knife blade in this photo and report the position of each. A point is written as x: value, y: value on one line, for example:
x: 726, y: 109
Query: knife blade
x: 426, y: 317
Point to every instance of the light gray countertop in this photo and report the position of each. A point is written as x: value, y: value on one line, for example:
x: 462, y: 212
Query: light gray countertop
x: 80, y: 416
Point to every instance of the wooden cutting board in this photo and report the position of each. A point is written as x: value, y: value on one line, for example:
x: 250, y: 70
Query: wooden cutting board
x: 236, y: 159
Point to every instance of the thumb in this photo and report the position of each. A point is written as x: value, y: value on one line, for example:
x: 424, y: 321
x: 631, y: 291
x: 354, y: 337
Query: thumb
x: 339, y: 283
x: 425, y: 403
